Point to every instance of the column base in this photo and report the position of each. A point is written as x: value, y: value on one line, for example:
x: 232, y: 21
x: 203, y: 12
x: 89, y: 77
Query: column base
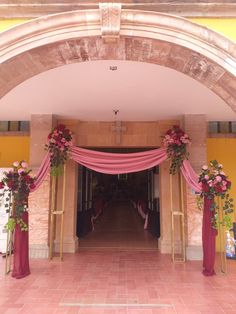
x: 38, y: 251
x: 164, y: 246
x: 69, y: 246
x: 194, y: 253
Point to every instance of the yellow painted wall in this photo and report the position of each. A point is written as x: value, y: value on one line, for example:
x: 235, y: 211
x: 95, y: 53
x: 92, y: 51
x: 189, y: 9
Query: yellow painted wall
x: 225, y: 26
x: 224, y: 151
x: 13, y: 148
x: 5, y: 24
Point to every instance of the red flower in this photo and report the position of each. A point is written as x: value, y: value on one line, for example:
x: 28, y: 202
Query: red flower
x: 218, y: 189
x: 32, y: 186
x: 228, y: 185
x: 10, y: 184
x: 28, y: 179
x: 60, y: 127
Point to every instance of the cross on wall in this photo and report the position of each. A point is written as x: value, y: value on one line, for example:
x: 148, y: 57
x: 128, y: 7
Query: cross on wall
x: 118, y: 129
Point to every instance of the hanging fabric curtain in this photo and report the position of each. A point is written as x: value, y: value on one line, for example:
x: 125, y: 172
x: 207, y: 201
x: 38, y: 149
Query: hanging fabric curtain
x: 115, y: 163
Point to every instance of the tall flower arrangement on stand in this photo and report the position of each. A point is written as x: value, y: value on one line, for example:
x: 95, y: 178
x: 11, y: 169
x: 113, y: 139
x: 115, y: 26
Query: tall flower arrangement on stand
x: 175, y: 141
x: 214, y: 182
x: 17, y: 182
x: 58, y: 146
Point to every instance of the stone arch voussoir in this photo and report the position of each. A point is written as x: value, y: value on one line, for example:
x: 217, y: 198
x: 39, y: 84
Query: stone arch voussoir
x: 43, y: 44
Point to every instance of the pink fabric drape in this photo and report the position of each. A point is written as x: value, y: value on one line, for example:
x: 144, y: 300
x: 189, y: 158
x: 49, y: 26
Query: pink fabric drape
x: 114, y: 163
x: 21, y: 267
x: 208, y: 239
x: 208, y: 233
x: 190, y: 176
x: 42, y: 172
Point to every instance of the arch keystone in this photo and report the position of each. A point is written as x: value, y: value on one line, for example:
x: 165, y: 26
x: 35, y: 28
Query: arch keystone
x: 110, y: 16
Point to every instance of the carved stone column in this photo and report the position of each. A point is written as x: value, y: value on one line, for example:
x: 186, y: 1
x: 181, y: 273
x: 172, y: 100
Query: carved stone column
x: 196, y: 127
x: 39, y: 201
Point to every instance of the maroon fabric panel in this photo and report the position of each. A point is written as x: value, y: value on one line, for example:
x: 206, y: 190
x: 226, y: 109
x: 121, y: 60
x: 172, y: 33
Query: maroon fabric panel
x: 208, y: 239
x: 21, y: 251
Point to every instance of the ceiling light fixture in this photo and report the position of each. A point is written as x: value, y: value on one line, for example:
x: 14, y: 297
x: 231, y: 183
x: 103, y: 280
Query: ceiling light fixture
x: 113, y: 67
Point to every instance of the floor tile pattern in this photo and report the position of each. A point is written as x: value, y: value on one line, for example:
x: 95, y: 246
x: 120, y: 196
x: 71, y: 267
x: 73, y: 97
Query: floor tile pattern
x: 117, y: 282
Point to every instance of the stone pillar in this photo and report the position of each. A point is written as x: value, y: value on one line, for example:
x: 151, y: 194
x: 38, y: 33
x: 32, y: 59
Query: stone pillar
x: 196, y: 127
x: 39, y: 201
x: 70, y: 243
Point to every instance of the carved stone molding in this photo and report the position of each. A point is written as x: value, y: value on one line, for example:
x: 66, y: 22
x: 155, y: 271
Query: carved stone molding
x: 186, y: 8
x: 39, y: 45
x: 110, y: 21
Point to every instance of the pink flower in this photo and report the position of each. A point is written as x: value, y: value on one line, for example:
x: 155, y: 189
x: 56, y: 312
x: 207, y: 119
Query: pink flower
x: 205, y: 167
x: 24, y: 164
x: 21, y: 170
x: 16, y: 164
x: 206, y: 177
x: 210, y: 183
x: 218, y: 178
x: 222, y: 173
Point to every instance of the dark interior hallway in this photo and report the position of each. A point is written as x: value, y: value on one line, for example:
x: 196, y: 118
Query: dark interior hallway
x: 120, y: 226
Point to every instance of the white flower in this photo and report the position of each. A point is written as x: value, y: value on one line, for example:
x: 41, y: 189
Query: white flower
x: 16, y: 164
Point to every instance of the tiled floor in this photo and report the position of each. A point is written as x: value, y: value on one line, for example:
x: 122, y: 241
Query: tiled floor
x: 117, y: 281
x: 137, y: 282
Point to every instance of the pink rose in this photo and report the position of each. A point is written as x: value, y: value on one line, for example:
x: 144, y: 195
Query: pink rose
x: 210, y: 183
x: 206, y: 177
x: 24, y: 164
x: 205, y: 167
x: 218, y: 178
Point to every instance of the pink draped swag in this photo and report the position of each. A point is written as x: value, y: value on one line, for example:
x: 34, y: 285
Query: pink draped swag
x: 114, y: 163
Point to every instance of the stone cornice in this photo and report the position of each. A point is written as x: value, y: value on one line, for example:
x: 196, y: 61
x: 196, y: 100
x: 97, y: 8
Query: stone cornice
x: 33, y: 9
x: 50, y: 29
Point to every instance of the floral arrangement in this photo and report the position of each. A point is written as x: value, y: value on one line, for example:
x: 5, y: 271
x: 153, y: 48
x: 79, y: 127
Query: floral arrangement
x: 59, y: 143
x: 17, y: 182
x: 176, y: 140
x: 214, y: 182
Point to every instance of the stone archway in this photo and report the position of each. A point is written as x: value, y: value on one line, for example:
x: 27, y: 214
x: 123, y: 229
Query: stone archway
x: 114, y: 34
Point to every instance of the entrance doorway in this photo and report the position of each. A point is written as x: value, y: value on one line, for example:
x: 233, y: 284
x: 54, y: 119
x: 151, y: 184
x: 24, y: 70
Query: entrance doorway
x: 118, y: 211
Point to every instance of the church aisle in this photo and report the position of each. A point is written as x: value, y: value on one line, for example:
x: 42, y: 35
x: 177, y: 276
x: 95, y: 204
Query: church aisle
x: 120, y: 226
